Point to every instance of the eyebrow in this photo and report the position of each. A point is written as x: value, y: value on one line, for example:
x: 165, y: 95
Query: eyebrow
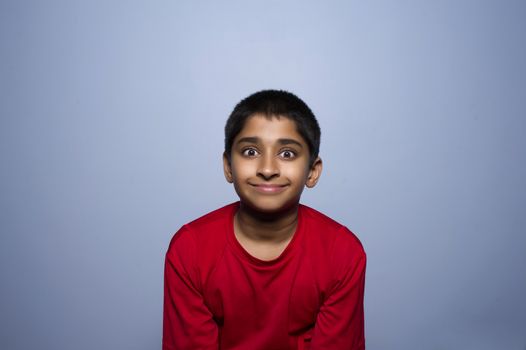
x: 280, y: 141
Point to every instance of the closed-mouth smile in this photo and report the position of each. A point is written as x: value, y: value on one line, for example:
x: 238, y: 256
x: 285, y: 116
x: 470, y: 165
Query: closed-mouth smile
x: 269, y: 188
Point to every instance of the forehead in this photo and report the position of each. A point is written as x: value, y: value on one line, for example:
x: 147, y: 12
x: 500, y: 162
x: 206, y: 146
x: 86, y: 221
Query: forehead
x: 270, y: 128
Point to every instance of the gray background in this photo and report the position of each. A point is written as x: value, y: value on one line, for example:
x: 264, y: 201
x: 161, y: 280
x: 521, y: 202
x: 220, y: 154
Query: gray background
x: 111, y: 137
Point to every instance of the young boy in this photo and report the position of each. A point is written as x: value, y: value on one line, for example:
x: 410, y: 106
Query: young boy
x: 266, y: 273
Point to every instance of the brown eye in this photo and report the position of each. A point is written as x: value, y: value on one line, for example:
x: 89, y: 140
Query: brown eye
x: 250, y: 152
x: 288, y: 154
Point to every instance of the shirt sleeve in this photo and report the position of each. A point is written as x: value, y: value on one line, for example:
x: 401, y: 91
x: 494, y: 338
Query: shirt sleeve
x: 187, y: 321
x: 340, y: 320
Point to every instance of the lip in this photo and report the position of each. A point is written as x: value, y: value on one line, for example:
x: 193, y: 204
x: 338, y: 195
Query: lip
x: 269, y: 188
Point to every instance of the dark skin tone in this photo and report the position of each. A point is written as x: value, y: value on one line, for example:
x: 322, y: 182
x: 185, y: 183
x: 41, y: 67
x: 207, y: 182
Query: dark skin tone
x: 269, y: 167
x: 264, y: 239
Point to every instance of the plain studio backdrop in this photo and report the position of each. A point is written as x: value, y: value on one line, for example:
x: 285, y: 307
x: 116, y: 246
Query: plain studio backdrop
x: 111, y: 134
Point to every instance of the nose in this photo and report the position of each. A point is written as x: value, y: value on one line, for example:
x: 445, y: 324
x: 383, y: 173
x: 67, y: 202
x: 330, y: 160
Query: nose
x: 268, y: 167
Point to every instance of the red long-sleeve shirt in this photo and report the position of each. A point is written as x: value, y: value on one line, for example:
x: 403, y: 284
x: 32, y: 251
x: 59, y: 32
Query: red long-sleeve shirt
x: 218, y: 296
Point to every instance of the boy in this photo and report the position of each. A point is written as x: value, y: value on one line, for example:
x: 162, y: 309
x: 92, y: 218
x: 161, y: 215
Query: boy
x: 266, y: 273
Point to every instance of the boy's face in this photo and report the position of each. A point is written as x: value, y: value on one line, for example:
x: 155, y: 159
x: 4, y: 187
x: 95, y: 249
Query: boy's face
x: 269, y: 164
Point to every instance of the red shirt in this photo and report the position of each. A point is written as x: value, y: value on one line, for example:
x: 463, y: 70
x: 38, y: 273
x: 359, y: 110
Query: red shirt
x: 218, y: 296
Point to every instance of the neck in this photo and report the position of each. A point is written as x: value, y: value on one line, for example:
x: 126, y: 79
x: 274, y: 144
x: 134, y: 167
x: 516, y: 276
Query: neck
x: 271, y: 228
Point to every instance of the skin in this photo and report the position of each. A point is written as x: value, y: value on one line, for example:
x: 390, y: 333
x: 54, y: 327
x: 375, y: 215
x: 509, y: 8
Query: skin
x: 269, y: 167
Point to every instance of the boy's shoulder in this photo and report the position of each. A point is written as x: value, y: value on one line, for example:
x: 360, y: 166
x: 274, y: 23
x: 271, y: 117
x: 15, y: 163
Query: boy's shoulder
x: 324, y: 231
x: 317, y: 218
x: 218, y: 217
x: 207, y: 228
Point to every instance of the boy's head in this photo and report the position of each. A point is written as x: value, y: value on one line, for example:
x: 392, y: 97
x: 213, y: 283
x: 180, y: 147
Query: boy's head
x: 272, y: 141
x: 271, y: 104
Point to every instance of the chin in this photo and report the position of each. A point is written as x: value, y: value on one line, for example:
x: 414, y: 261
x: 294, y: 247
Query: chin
x: 270, y: 206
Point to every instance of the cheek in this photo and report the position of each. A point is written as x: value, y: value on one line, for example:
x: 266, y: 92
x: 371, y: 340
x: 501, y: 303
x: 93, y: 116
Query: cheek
x: 242, y: 169
x: 295, y: 171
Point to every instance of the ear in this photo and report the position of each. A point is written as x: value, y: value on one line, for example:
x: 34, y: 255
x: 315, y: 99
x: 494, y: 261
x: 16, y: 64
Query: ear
x: 227, y: 169
x: 314, y: 173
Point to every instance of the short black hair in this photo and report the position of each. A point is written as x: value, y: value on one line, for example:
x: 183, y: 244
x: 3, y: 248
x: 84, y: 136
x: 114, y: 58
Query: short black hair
x: 275, y: 103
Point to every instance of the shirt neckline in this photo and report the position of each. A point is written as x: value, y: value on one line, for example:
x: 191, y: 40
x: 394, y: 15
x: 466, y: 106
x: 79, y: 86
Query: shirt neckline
x: 241, y: 252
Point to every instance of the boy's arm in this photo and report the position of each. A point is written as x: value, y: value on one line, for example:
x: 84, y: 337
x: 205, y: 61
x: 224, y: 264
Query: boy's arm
x: 187, y: 321
x: 340, y: 320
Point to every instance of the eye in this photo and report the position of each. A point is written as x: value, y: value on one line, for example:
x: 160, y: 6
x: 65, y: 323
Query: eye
x: 250, y: 152
x: 287, y: 154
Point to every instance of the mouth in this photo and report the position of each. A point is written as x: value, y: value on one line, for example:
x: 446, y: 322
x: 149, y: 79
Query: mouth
x: 269, y: 188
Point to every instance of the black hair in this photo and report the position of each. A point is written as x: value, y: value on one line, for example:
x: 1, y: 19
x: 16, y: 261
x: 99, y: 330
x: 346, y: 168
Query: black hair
x: 275, y: 103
